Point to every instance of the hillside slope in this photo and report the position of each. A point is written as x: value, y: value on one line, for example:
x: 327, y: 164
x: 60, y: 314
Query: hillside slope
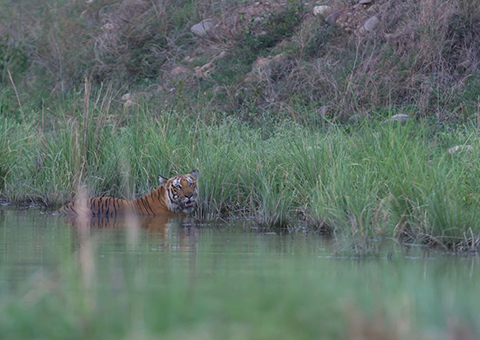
x: 335, y: 59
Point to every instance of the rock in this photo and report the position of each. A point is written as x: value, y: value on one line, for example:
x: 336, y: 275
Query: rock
x: 265, y: 61
x: 179, y: 72
x: 320, y: 10
x: 127, y: 97
x: 109, y: 27
x: 261, y: 62
x: 257, y: 21
x: 203, y: 28
x: 365, y: 2
x: 262, y: 67
x: 250, y: 78
x: 458, y: 148
x: 332, y: 18
x: 392, y: 36
x: 205, y: 70
x: 279, y: 57
x: 371, y: 24
x: 132, y: 98
x: 401, y: 117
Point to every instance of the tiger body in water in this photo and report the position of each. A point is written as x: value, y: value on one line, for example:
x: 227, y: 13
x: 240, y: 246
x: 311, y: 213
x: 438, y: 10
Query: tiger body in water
x: 175, y: 196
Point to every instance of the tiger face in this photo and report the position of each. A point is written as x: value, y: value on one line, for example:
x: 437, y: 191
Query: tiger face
x: 182, y: 192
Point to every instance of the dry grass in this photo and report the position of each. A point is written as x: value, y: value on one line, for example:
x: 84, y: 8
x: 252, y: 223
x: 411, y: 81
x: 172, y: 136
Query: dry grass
x: 421, y: 58
x: 421, y: 55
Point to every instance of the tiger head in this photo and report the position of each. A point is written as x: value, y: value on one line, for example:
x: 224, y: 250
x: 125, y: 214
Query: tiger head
x: 182, y: 192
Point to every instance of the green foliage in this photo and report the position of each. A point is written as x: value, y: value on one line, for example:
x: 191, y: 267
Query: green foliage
x: 320, y: 38
x: 274, y: 27
x: 13, y: 58
x: 184, y: 13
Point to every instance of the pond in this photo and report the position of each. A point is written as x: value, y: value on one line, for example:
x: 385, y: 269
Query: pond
x: 184, y: 279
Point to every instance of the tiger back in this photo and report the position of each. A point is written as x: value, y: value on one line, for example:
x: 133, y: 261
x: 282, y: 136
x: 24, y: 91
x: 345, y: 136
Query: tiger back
x: 175, y: 196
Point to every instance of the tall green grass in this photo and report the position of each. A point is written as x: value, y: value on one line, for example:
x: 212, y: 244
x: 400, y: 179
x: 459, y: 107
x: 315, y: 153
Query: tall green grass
x: 376, y: 181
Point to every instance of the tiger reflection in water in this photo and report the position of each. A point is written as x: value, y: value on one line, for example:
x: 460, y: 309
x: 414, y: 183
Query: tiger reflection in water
x: 172, y: 233
x: 140, y: 236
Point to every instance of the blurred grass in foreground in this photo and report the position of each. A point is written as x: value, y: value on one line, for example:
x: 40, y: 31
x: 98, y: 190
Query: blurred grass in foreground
x: 217, y: 282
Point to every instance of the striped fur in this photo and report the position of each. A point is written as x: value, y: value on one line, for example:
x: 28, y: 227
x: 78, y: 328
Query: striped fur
x: 174, y: 196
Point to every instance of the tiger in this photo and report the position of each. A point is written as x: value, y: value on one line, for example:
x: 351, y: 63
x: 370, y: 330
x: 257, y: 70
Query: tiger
x: 176, y: 196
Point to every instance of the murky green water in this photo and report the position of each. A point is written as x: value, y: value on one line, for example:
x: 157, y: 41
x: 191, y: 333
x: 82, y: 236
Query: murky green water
x: 33, y: 241
x: 181, y: 273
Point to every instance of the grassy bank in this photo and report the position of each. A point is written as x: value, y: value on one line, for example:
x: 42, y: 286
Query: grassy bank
x: 371, y: 181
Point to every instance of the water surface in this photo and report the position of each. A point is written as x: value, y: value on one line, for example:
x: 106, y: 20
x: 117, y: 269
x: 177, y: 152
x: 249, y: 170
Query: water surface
x: 227, y: 270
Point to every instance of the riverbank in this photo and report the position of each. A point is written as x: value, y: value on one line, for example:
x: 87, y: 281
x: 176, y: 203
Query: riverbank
x: 370, y: 180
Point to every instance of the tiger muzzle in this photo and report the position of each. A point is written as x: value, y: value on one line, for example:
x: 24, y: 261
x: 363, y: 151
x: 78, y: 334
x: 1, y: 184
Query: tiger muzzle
x: 189, y: 203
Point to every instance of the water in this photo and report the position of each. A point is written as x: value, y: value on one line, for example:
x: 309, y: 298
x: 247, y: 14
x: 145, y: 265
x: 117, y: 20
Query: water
x: 170, y: 275
x: 33, y: 241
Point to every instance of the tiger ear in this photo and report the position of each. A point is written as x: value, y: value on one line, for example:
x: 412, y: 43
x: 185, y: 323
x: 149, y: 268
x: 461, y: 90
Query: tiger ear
x: 194, y: 173
x: 162, y: 180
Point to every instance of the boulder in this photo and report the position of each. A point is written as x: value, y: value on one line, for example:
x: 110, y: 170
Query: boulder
x: 332, y: 18
x: 205, y: 70
x: 321, y: 10
x: 180, y: 72
x: 203, y: 28
x: 459, y: 148
x: 127, y: 97
x: 257, y: 21
x: 371, y: 24
x: 401, y: 117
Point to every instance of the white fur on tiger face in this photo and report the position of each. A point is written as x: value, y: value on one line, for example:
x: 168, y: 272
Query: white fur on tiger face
x: 182, y: 192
